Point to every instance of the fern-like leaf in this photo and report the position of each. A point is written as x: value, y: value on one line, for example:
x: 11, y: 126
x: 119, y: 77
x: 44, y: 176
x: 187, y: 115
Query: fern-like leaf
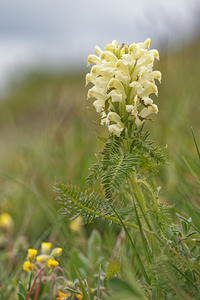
x: 88, y: 205
x: 112, y: 147
x: 95, y: 173
x: 118, y: 170
x: 141, y: 144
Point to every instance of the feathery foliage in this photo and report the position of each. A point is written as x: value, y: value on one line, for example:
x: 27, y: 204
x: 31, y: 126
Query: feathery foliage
x: 89, y: 205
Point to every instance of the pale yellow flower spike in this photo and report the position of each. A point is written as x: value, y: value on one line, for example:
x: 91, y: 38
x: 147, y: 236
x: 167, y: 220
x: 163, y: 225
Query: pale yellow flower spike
x: 123, y: 79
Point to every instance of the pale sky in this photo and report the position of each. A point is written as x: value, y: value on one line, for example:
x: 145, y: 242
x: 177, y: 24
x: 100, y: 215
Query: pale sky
x: 63, y: 32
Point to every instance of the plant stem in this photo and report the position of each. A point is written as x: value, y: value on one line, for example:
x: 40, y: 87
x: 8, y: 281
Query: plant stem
x: 38, y: 289
x: 34, y: 282
x: 53, y: 281
x: 118, y: 243
x: 138, y: 192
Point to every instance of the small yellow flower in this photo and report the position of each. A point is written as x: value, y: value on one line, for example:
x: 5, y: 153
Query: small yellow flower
x: 6, y: 221
x: 80, y: 296
x: 52, y: 263
x: 46, y: 247
x: 56, y: 252
x: 27, y: 266
x: 42, y: 258
x: 31, y: 254
x: 61, y: 295
x: 75, y: 224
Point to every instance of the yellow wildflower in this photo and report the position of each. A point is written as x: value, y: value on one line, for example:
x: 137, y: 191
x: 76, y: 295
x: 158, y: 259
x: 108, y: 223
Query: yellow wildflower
x: 75, y: 224
x: 31, y: 254
x: 27, y: 266
x: 46, y: 247
x: 61, y: 295
x: 80, y: 296
x: 52, y: 263
x: 6, y: 221
x: 56, y: 252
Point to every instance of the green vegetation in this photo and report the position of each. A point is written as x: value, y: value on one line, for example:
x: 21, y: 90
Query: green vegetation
x: 47, y: 136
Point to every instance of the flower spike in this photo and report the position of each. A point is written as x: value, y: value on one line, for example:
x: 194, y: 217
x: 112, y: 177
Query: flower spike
x: 123, y: 79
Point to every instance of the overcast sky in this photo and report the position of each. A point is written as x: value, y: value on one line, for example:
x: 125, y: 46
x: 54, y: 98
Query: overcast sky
x: 63, y: 32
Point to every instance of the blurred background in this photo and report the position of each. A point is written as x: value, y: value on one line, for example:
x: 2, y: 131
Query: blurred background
x: 46, y: 132
x: 60, y: 34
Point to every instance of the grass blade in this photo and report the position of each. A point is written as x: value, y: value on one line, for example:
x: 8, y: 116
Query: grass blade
x: 85, y: 293
x: 195, y: 142
x: 134, y: 249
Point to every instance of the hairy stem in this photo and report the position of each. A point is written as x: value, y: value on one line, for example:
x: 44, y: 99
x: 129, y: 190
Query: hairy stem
x: 34, y: 282
x: 138, y: 192
x: 38, y: 288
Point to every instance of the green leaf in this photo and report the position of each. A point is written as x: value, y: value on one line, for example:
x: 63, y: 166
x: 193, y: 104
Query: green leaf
x: 122, y: 288
x: 22, y: 289
x: 30, y: 280
x: 95, y: 173
x: 111, y: 148
x: 142, y: 268
x: 94, y: 244
x: 83, y: 289
x: 21, y: 296
x: 68, y: 289
x: 102, y: 139
x: 88, y: 205
x: 118, y: 170
x: 99, y: 282
x: 195, y: 142
x: 145, y: 242
x: 76, y: 259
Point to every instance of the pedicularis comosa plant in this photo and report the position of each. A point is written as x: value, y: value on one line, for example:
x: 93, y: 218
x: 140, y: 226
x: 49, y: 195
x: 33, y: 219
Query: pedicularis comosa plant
x: 120, y: 185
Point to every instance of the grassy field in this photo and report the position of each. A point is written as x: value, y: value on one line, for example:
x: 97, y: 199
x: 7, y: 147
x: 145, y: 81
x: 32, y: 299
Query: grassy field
x: 47, y: 135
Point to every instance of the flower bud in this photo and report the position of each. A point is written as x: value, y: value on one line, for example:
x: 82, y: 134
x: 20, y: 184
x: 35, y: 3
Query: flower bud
x: 42, y: 258
x: 56, y: 252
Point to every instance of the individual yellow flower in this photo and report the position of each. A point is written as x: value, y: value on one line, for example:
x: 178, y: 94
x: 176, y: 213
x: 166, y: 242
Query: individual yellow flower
x: 56, y: 252
x: 52, y: 263
x: 6, y: 221
x: 123, y: 78
x: 45, y: 247
x: 42, y: 258
x: 27, y: 266
x: 79, y: 297
x: 61, y: 295
x: 75, y: 224
x: 31, y: 254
